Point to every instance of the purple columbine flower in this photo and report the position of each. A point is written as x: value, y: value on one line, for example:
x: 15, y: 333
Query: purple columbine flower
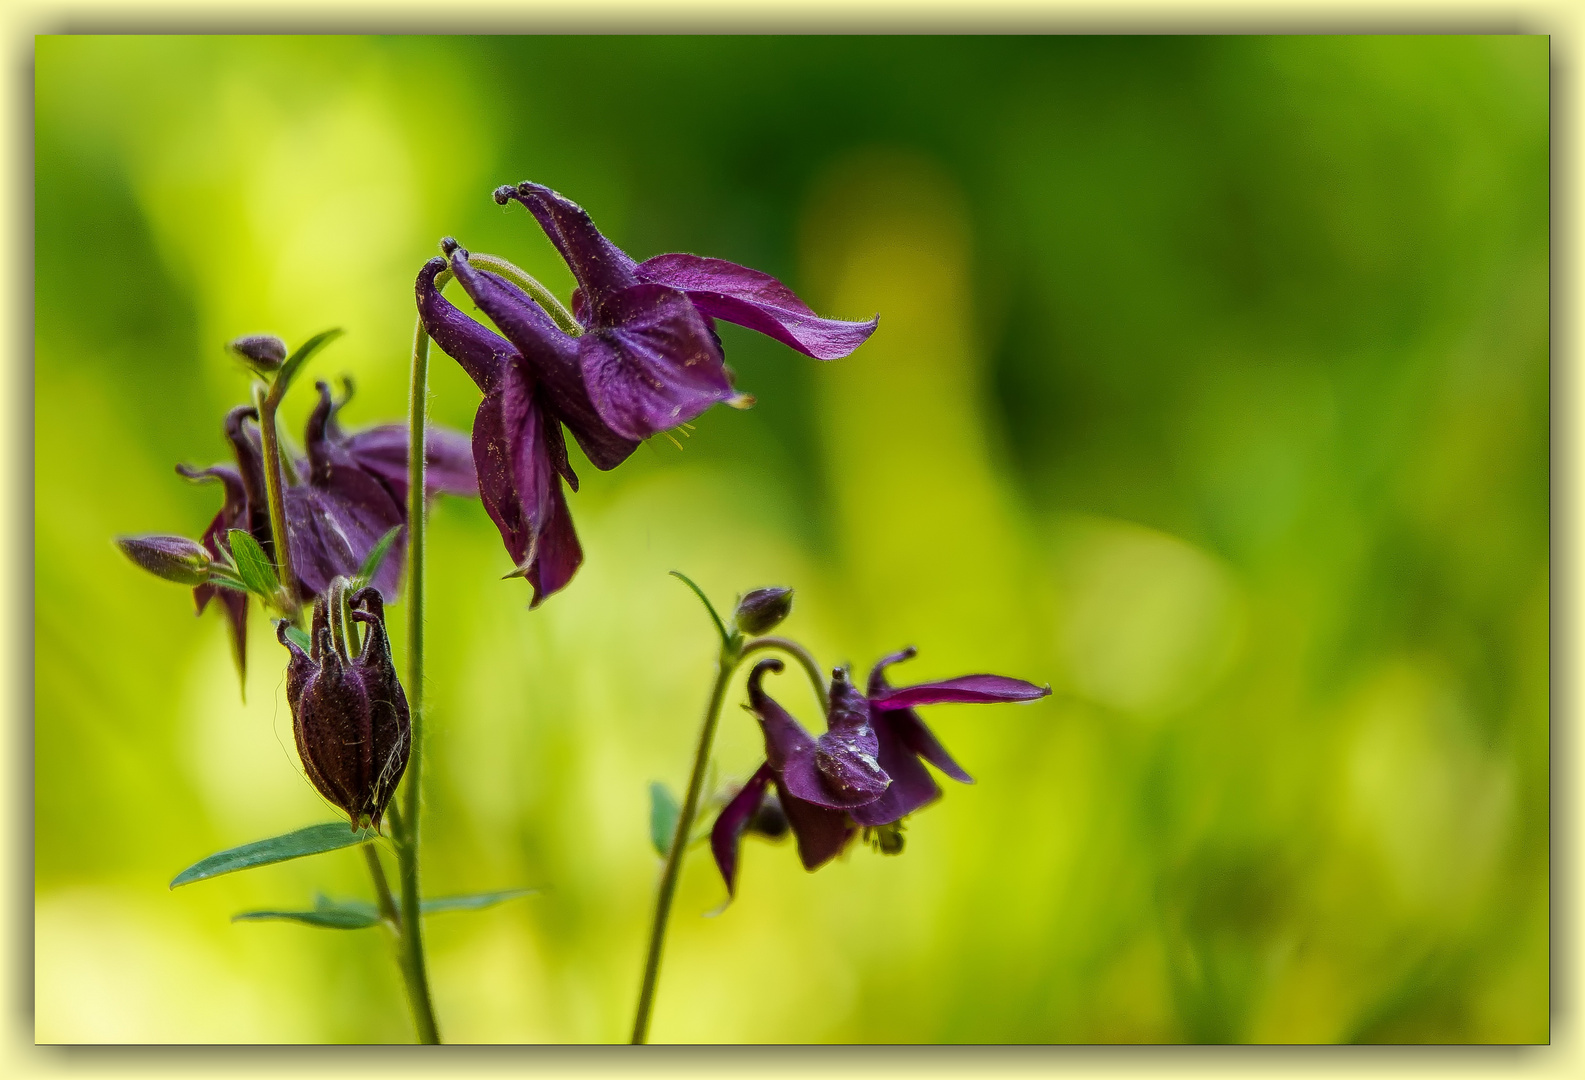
x: 863, y: 772
x: 648, y: 359
x: 347, y: 497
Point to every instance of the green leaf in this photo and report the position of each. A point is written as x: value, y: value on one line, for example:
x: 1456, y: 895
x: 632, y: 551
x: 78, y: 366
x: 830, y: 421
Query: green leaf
x: 293, y: 363
x: 726, y: 636
x: 327, y: 914
x: 377, y: 554
x: 474, y: 902
x: 253, y: 566
x: 329, y: 836
x: 360, y: 914
x: 300, y: 638
x: 663, y: 812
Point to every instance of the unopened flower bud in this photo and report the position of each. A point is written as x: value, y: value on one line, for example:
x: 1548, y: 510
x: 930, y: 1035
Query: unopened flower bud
x: 760, y: 610
x: 263, y: 353
x: 174, y: 558
x: 349, y: 714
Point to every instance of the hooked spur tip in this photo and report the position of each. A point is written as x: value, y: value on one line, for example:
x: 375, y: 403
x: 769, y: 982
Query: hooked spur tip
x: 504, y: 193
x: 449, y: 245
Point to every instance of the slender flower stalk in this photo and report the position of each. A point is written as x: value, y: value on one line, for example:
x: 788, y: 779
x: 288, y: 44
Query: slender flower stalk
x: 734, y: 650
x: 267, y: 402
x: 406, y: 835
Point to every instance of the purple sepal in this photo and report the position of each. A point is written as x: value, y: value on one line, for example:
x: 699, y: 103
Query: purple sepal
x: 601, y: 267
x: 481, y: 352
x: 725, y: 290
x: 821, y: 772
x: 974, y: 689
x: 726, y: 834
x: 912, y: 785
x: 821, y: 832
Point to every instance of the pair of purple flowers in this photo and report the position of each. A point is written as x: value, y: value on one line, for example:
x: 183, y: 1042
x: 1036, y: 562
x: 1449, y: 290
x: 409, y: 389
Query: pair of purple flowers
x: 647, y: 360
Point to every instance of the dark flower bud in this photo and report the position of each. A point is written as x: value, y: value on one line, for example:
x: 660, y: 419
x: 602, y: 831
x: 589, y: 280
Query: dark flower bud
x: 174, y: 558
x: 263, y: 353
x: 349, y: 713
x: 760, y: 610
x: 770, y: 819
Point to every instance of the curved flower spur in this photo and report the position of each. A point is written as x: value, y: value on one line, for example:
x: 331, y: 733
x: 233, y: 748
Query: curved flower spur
x: 863, y: 772
x: 638, y: 356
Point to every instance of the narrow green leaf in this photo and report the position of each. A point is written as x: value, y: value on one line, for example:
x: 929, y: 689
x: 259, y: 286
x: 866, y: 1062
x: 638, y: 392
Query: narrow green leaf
x: 294, y: 363
x: 474, y: 902
x: 360, y: 914
x: 329, y: 836
x: 253, y: 566
x: 663, y: 811
x: 300, y: 638
x: 327, y: 914
x: 377, y: 554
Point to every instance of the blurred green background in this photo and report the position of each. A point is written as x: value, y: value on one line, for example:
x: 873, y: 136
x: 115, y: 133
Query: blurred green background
x: 1211, y: 385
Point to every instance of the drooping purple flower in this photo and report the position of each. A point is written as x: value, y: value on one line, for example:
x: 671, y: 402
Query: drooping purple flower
x: 647, y: 360
x: 863, y: 772
x: 347, y: 495
x: 349, y: 713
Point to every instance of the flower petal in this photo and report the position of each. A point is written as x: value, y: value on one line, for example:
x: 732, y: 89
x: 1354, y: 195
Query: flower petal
x: 846, y: 752
x: 977, y: 689
x: 726, y: 834
x: 516, y: 451
x: 725, y: 290
x: 912, y: 785
x: 658, y: 365
x: 553, y: 358
x: 796, y: 756
x: 822, y: 832
x: 481, y: 352
x: 600, y: 266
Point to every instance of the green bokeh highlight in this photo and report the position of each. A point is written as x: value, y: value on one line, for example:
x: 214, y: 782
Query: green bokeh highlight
x: 1211, y: 386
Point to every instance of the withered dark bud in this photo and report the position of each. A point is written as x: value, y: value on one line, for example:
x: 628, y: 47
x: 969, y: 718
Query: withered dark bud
x: 174, y: 558
x: 349, y: 713
x: 263, y: 353
x: 770, y: 820
x: 760, y: 610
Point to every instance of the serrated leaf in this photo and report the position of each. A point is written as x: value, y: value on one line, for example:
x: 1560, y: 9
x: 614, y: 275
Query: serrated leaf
x: 663, y: 811
x: 300, y: 638
x: 294, y: 363
x: 253, y: 566
x: 473, y: 902
x: 371, y: 565
x: 330, y: 836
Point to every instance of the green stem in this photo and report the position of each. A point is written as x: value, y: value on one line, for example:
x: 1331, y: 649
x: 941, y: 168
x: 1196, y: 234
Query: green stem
x: 382, y: 890
x: 413, y: 967
x: 733, y: 653
x: 267, y: 404
x: 725, y: 666
x: 527, y: 282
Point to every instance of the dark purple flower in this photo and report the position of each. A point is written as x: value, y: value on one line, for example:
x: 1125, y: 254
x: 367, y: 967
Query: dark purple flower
x: 347, y: 496
x: 863, y: 772
x: 648, y: 359
x: 349, y: 714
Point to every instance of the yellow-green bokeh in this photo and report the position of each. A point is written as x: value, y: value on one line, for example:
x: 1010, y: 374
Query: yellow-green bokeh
x: 1210, y: 387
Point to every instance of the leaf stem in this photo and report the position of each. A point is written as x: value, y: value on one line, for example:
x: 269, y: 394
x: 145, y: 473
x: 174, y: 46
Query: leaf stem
x: 406, y: 836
